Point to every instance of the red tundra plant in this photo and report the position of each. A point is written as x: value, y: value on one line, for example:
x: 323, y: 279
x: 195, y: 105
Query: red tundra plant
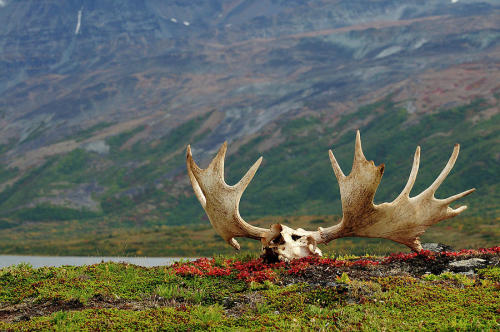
x: 298, y: 267
x: 257, y: 276
x: 365, y: 262
x: 201, y: 267
x: 253, y: 270
x: 258, y: 271
x: 187, y: 270
x: 466, y: 252
x: 256, y: 265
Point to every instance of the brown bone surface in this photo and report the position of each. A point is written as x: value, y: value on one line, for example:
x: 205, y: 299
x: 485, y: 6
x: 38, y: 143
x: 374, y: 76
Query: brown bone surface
x: 403, y: 220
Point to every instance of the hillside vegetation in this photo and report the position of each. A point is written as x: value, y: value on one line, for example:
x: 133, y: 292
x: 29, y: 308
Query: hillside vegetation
x: 295, y: 179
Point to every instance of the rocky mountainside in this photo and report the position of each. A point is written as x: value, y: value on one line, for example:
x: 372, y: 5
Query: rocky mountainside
x: 98, y: 100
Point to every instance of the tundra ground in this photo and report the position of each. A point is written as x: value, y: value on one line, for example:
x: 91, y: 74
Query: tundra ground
x: 426, y: 291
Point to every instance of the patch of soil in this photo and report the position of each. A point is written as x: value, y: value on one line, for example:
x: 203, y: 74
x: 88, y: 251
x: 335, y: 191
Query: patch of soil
x: 237, y: 305
x: 24, y: 311
x: 27, y: 310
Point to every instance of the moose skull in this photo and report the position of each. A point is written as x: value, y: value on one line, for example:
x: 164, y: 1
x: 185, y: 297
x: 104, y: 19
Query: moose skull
x: 289, y: 243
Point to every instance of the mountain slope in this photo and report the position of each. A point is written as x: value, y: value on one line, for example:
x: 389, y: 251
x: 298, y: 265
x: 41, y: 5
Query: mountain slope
x: 99, y: 100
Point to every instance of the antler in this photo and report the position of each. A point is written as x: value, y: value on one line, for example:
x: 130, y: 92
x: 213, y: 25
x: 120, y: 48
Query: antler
x: 221, y: 201
x: 404, y: 219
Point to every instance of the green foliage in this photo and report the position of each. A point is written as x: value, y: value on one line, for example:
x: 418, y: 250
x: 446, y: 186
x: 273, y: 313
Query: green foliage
x: 48, y: 212
x: 116, y: 204
x: 154, y: 164
x: 325, y: 297
x: 7, y: 173
x: 80, y: 283
x: 458, y: 278
x: 72, y: 162
x: 176, y: 292
x: 4, y: 224
x: 299, y: 125
x: 363, y: 112
x: 343, y: 279
x: 116, y: 141
x: 22, y: 189
x: 491, y: 273
x: 197, y: 318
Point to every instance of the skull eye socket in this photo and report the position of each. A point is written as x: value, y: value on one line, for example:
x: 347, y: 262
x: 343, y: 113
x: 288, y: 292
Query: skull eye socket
x: 278, y: 240
x: 295, y: 237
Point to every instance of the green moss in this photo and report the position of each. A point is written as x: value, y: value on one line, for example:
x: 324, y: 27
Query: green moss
x: 491, y: 273
x: 454, y: 277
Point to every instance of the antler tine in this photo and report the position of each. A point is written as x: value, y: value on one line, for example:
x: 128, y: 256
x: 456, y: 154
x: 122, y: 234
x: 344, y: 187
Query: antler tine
x: 191, y: 168
x: 413, y: 175
x: 217, y: 164
x: 453, y: 198
x: 444, y: 173
x: 358, y: 150
x: 245, y: 180
x: 220, y: 201
x: 336, y: 167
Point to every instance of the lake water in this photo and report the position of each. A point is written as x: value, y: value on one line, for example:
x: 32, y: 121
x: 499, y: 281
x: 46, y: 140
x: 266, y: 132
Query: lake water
x: 39, y: 261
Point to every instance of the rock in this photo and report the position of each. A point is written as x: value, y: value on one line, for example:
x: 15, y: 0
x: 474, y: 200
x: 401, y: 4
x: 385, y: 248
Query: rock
x: 228, y: 303
x: 469, y: 273
x: 99, y: 147
x: 436, y: 247
x: 467, y: 265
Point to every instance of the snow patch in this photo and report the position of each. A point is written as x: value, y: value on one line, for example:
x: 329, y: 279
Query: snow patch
x: 79, y: 21
x: 389, y: 51
x: 419, y: 43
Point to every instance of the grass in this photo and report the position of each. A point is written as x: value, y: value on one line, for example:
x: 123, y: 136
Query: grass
x: 111, y: 296
x: 97, y: 237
